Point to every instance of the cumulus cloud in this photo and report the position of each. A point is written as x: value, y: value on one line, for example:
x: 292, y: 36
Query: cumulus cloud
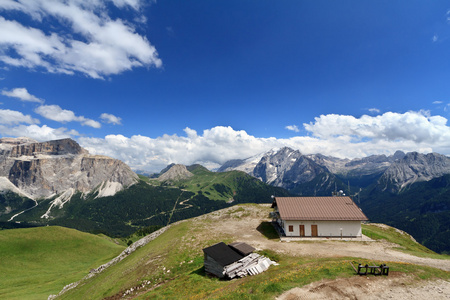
x: 293, y: 128
x: 334, y: 135
x: 110, y: 119
x: 88, y: 41
x: 56, y: 113
x: 214, y: 146
x: 419, y: 127
x: 11, y: 117
x: 39, y: 133
x: 21, y: 94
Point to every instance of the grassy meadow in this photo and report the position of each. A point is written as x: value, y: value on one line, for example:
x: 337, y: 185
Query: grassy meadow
x: 37, y: 262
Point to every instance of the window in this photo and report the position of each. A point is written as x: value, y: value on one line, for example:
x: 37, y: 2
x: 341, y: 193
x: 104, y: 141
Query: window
x: 291, y: 228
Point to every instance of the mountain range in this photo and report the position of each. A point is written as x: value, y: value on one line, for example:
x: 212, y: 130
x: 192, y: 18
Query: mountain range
x: 290, y: 169
x: 60, y: 183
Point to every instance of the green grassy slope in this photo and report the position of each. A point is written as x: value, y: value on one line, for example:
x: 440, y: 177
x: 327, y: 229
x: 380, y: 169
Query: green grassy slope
x: 171, y: 266
x: 37, y: 262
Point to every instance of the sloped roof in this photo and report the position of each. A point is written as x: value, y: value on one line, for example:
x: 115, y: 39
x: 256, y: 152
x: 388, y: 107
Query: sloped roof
x: 318, y: 209
x: 242, y: 248
x: 222, y: 254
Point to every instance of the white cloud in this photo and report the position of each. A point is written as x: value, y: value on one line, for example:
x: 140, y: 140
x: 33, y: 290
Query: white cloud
x: 437, y: 102
x: 293, y: 128
x: 22, y: 94
x: 215, y: 145
x: 110, y: 119
x: 435, y: 38
x: 39, y: 133
x: 374, y: 110
x: 418, y: 127
x: 334, y: 135
x: 11, y: 117
x: 104, y: 46
x: 132, y: 3
x: 56, y: 113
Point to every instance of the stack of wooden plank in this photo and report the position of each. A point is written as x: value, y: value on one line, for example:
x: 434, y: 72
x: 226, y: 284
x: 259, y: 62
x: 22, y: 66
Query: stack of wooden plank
x: 251, y: 264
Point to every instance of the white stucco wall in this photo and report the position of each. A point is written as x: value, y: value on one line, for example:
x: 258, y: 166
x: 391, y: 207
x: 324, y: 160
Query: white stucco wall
x: 325, y: 228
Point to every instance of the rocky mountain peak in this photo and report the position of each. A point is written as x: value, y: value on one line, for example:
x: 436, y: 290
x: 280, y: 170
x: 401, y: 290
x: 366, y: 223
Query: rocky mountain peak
x: 398, y: 155
x: 286, y: 165
x: 50, y: 168
x: 174, y: 173
x: 415, y: 167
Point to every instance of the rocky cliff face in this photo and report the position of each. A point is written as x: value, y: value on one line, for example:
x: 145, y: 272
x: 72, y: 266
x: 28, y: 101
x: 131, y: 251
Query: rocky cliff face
x: 174, y: 173
x: 414, y: 167
x: 51, y: 168
x: 286, y: 168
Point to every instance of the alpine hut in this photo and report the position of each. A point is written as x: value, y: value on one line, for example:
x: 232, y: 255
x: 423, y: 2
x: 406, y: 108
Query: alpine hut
x: 318, y: 216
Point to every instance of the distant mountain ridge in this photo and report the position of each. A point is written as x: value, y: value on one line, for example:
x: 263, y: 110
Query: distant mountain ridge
x: 289, y: 168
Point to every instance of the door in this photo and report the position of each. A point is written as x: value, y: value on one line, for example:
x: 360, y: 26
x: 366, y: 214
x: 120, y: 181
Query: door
x: 314, y: 230
x: 302, y: 230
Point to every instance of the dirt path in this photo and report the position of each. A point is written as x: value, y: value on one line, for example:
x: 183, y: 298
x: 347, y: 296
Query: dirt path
x: 398, y: 287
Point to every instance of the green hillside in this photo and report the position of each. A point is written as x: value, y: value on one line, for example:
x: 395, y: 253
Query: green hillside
x: 231, y: 187
x: 171, y: 266
x: 37, y: 262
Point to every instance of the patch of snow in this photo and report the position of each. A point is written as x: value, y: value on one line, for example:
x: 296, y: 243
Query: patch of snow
x: 59, y: 202
x: 108, y: 188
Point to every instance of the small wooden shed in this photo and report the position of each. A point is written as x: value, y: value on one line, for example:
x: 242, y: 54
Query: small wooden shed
x: 234, y: 260
x: 217, y: 257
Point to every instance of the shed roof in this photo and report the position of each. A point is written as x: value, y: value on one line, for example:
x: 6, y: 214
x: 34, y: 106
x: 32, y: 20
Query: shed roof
x: 318, y: 209
x: 242, y: 248
x: 222, y: 254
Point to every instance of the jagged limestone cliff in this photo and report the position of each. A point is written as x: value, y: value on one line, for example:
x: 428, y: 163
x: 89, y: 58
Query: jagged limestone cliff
x: 51, y: 168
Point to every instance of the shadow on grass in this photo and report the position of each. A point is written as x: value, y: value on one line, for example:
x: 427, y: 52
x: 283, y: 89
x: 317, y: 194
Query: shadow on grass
x: 200, y: 272
x: 267, y: 229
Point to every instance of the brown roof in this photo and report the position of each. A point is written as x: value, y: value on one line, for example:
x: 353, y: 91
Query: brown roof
x: 318, y: 208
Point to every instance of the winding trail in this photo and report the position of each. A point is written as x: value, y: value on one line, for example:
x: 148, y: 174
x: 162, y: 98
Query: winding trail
x: 36, y: 204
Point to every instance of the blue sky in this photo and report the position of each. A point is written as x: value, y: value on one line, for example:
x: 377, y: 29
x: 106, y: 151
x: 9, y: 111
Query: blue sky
x: 207, y: 81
